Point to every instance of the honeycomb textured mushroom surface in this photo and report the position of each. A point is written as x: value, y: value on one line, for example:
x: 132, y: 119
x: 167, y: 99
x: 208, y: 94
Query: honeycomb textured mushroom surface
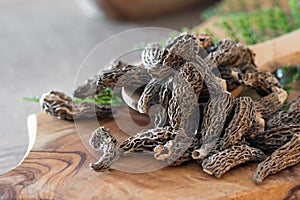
x: 191, y: 81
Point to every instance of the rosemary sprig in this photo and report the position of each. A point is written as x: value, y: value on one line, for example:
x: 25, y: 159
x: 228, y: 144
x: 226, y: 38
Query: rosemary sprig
x: 33, y: 99
x: 107, y: 97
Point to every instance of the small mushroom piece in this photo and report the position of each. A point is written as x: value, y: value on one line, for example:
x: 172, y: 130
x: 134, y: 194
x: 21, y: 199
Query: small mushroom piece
x: 146, y: 140
x: 232, y: 77
x: 151, y: 55
x: 182, y: 48
x: 273, y: 138
x: 226, y: 49
x: 57, y: 104
x: 290, y: 117
x: 244, y: 113
x: 216, y: 112
x: 221, y: 162
x: 102, y: 140
x: 205, y: 41
x: 88, y: 88
x: 272, y: 103
x: 125, y: 76
x: 61, y: 106
x: 285, y: 156
x: 262, y: 81
x: 176, y: 151
x: 228, y: 53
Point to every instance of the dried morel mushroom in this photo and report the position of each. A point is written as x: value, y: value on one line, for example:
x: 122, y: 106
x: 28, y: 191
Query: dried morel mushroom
x: 274, y: 138
x: 187, y: 86
x: 272, y: 103
x: 219, y: 163
x: 128, y: 75
x: 289, y: 117
x: 216, y: 112
x: 244, y: 114
x: 61, y: 106
x: 147, y: 140
x: 177, y: 150
x: 152, y: 55
x: 102, y: 140
x: 261, y: 81
x: 283, y: 157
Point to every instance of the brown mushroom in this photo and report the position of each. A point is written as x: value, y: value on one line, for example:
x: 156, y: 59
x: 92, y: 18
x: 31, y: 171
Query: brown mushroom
x: 216, y: 112
x: 221, y: 162
x: 244, y: 114
x: 285, y: 156
x: 102, y: 140
x: 146, y: 140
x: 273, y: 138
x: 61, y: 106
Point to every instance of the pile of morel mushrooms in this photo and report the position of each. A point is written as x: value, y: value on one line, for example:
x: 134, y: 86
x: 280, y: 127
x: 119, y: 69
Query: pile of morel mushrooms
x: 193, y: 81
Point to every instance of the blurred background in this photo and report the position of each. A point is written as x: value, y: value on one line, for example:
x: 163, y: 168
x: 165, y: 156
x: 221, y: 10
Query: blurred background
x: 43, y: 43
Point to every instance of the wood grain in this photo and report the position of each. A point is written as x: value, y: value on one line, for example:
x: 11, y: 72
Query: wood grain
x: 57, y: 168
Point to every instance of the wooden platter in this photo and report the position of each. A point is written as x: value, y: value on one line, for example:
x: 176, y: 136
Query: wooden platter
x: 57, y: 167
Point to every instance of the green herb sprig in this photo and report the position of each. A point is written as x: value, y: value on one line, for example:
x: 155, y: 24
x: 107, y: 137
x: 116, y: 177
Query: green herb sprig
x: 33, y: 99
x: 258, y: 25
x: 107, y: 97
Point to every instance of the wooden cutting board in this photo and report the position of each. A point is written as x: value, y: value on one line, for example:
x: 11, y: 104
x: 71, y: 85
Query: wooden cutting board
x: 57, y: 167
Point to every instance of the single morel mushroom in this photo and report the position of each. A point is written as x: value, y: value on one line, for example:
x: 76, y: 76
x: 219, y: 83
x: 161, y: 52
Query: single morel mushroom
x: 271, y: 103
x: 289, y: 117
x: 216, y: 112
x: 261, y: 81
x: 102, y: 140
x: 285, y: 156
x: 221, y: 162
x: 147, y: 139
x: 244, y: 114
x: 273, y: 138
x: 61, y: 106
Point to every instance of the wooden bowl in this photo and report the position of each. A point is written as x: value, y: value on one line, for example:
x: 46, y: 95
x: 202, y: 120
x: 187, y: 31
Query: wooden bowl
x: 139, y: 9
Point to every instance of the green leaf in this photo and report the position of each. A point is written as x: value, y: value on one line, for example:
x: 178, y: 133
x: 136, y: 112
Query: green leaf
x: 107, y: 97
x: 33, y: 99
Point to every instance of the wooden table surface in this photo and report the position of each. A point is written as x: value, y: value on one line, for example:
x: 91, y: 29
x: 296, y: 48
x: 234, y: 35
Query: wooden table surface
x: 57, y: 167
